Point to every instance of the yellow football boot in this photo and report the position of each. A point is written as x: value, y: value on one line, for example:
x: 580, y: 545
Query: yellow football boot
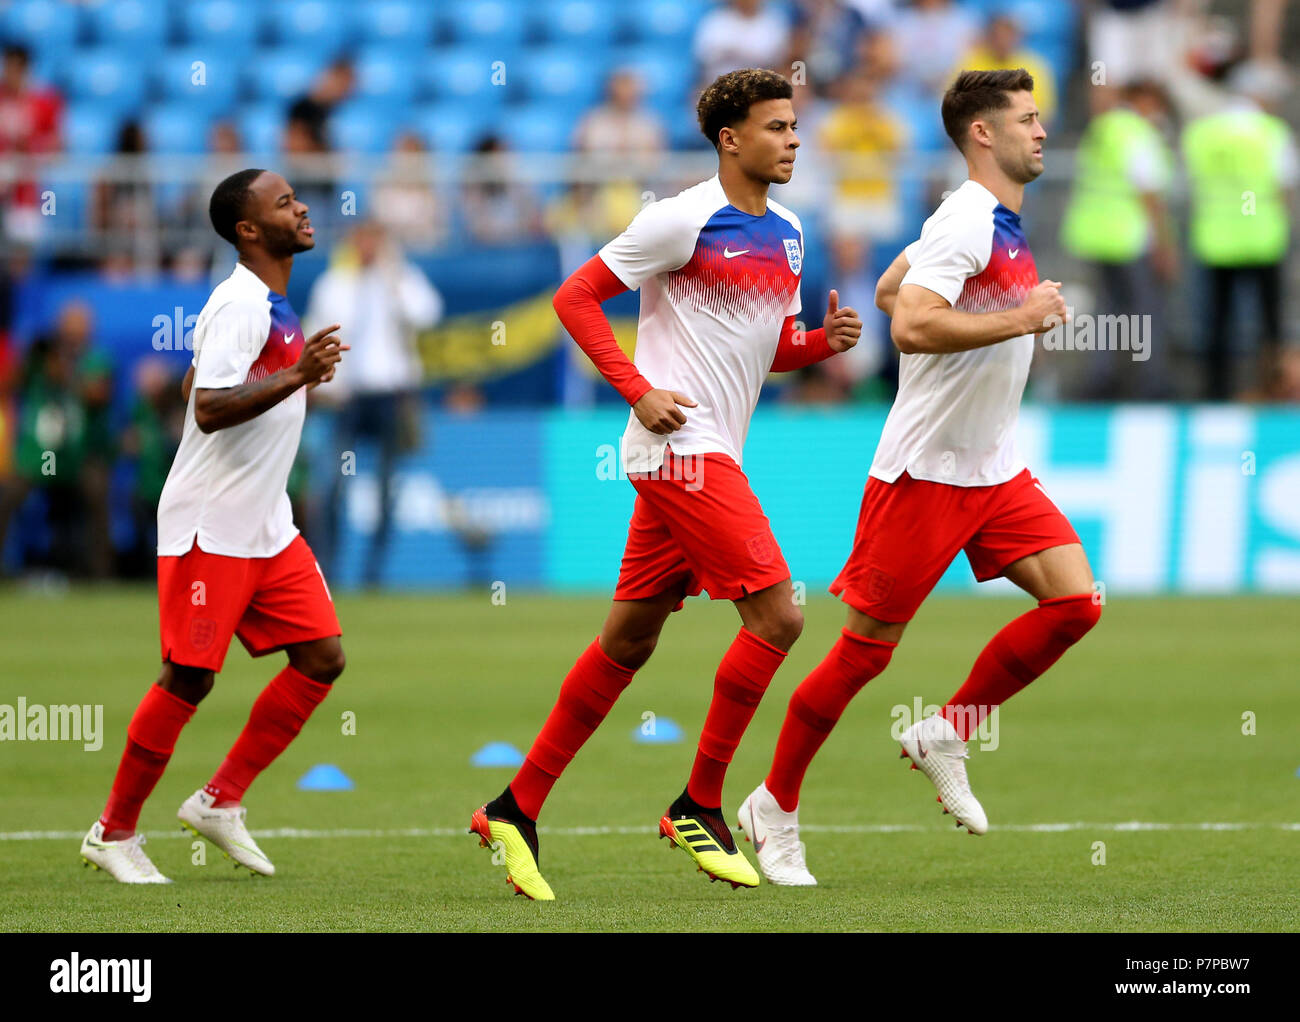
x: 518, y: 840
x: 705, y: 837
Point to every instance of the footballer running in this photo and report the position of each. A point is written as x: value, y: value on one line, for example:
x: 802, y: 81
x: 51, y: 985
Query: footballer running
x: 965, y: 303
x: 719, y: 268
x: 230, y: 560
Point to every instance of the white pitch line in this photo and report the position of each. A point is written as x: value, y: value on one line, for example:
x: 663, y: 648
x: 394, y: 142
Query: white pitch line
x: 809, y: 828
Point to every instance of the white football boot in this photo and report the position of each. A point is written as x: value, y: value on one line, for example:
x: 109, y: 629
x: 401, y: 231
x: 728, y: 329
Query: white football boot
x: 937, y: 751
x: 774, y: 834
x: 124, y: 860
x: 225, y: 829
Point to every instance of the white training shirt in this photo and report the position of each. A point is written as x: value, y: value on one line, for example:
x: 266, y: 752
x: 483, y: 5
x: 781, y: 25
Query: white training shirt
x: 716, y: 287
x: 954, y: 419
x: 227, y: 488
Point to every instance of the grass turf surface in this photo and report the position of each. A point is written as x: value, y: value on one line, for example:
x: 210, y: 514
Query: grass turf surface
x: 1141, y: 722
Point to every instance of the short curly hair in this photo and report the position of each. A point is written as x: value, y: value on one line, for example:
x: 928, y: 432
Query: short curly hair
x: 726, y: 102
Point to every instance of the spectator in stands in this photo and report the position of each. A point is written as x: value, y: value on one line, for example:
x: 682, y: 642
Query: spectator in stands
x: 122, y: 210
x: 863, y: 132
x: 306, y: 139
x: 496, y: 208
x: 621, y: 125
x: 150, y: 441
x: 65, y: 447
x: 741, y: 33
x: 203, y: 252
x: 929, y: 37
x: 1132, y: 40
x: 405, y: 202
x: 1118, y: 221
x: 382, y: 300
x: 1000, y: 50
x: 1242, y: 171
x: 310, y: 113
x: 825, y: 38
x: 29, y: 126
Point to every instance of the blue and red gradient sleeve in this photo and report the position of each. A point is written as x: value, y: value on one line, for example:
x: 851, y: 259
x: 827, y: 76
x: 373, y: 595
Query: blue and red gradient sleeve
x: 795, y: 350
x: 577, y: 303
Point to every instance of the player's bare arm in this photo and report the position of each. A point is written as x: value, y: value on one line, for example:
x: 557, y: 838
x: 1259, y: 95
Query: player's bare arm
x: 924, y: 323
x: 221, y: 408
x: 187, y: 383
x: 889, y: 282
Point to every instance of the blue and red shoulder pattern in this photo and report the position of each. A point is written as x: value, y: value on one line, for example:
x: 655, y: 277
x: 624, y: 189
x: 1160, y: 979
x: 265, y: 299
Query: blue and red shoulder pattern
x: 284, y: 343
x: 1010, y: 273
x: 743, y: 266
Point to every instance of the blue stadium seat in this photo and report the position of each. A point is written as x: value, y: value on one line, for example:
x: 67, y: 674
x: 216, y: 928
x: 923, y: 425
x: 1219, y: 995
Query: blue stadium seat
x: 661, y: 21
x: 324, y: 25
x: 465, y: 74
x: 261, y: 127
x: 230, y: 26
x: 397, y: 24
x: 176, y: 127
x: 137, y: 25
x: 589, y: 24
x: 451, y: 127
x: 201, y: 77
x: 360, y: 126
x: 43, y: 25
x: 387, y: 74
x: 538, y: 127
x: 557, y: 75
x: 498, y: 25
x: 108, y: 76
x: 281, y: 73
x: 89, y: 128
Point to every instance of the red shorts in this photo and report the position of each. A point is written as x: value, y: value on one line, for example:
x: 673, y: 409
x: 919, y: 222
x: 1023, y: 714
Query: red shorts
x: 269, y: 602
x: 910, y: 530
x: 697, y: 524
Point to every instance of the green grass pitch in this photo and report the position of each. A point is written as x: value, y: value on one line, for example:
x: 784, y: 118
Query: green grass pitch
x: 1143, y: 721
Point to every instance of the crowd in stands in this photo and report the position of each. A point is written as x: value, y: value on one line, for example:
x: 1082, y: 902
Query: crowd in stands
x: 1150, y: 94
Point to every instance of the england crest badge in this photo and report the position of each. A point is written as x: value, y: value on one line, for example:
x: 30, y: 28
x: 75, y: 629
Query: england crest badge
x: 793, y: 254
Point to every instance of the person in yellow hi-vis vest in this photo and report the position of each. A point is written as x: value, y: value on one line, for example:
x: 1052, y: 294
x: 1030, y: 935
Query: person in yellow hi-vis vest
x: 1117, y: 221
x: 1241, y: 165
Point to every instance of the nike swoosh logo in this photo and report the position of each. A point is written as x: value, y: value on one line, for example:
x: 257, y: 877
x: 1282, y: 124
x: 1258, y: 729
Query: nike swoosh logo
x: 289, y: 338
x: 758, y: 845
x: 1013, y: 252
x: 921, y: 749
x: 728, y: 254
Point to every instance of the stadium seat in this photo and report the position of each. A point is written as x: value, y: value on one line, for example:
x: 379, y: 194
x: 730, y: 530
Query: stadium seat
x: 555, y: 75
x: 135, y: 25
x: 538, y: 128
x: 42, y: 25
x: 261, y: 127
x: 465, y: 74
x: 281, y: 73
x: 200, y: 76
x: 397, y: 25
x: 108, y: 76
x: 663, y: 21
x: 230, y: 26
x: 175, y: 127
x: 586, y: 24
x: 89, y: 128
x: 387, y: 74
x: 324, y: 25
x: 498, y: 25
x: 666, y: 73
x: 361, y: 126
x: 450, y: 127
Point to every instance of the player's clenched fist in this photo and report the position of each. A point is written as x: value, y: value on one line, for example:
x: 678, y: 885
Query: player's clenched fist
x: 321, y: 353
x: 1042, y: 302
x: 843, y: 326
x: 658, y: 412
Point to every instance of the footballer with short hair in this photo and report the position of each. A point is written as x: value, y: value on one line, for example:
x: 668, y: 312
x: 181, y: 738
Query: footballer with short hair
x: 719, y: 268
x: 965, y: 302
x: 230, y: 560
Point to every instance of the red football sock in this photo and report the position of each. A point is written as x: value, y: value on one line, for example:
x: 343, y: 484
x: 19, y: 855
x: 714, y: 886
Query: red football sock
x: 277, y: 716
x: 586, y: 696
x: 742, y: 678
x: 150, y: 738
x: 1018, y: 654
x: 816, y: 706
